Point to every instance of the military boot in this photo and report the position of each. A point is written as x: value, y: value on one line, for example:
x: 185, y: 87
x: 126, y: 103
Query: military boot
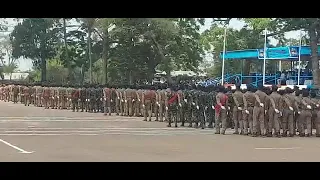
x: 254, y: 134
x: 182, y: 124
x: 277, y: 134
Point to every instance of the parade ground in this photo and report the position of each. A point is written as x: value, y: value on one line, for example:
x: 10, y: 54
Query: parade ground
x: 36, y: 134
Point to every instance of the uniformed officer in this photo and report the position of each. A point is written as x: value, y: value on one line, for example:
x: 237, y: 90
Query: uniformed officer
x: 221, y: 110
x: 306, y: 114
x: 172, y: 106
x: 237, y: 110
x: 248, y: 103
x: 259, y: 112
x: 274, y: 113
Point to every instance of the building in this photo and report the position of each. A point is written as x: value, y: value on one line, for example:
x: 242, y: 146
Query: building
x: 16, y: 76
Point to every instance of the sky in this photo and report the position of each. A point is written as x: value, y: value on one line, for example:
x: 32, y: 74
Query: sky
x: 26, y: 64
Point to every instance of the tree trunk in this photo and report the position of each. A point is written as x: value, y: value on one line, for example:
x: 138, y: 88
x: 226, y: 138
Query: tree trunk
x: 43, y: 69
x: 314, y: 56
x: 164, y: 59
x: 69, y: 77
x: 89, y: 53
x: 105, y: 56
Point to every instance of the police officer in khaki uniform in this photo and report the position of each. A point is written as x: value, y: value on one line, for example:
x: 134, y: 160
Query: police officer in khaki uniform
x: 148, y: 99
x: 306, y: 114
x: 258, y: 112
x: 237, y: 110
x: 248, y: 102
x: 274, y: 112
x: 287, y: 113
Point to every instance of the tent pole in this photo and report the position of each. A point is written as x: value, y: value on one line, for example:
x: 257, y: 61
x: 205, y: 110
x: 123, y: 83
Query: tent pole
x: 264, y: 56
x: 299, y: 64
x: 223, y: 55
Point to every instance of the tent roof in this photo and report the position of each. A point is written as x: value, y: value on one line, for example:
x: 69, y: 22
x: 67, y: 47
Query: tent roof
x: 276, y: 53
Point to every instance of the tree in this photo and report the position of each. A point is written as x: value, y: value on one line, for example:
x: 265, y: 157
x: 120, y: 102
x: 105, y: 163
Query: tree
x: 245, y: 38
x: 8, y: 67
x: 104, y: 26
x: 37, y: 39
x: 77, y: 56
x: 89, y: 23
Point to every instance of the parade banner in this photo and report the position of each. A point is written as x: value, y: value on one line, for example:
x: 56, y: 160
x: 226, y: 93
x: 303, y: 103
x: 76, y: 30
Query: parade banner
x: 276, y: 53
x: 294, y: 51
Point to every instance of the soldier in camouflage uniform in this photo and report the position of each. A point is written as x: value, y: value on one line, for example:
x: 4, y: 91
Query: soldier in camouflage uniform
x: 194, y: 110
x: 197, y: 100
x: 183, y: 106
x: 83, y: 98
x: 188, y: 99
x: 92, y: 99
x: 88, y: 98
x: 172, y: 106
x: 180, y: 115
x: 202, y: 108
x: 211, y: 104
x: 99, y: 98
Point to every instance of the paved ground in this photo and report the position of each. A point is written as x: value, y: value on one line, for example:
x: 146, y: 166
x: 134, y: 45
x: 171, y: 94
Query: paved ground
x: 36, y: 134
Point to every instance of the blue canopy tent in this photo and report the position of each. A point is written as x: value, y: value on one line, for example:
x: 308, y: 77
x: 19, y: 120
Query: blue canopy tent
x: 287, y: 53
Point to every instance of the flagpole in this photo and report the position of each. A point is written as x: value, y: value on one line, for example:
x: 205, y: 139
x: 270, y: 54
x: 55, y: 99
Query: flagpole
x: 264, y: 56
x: 223, y: 54
x: 299, y: 64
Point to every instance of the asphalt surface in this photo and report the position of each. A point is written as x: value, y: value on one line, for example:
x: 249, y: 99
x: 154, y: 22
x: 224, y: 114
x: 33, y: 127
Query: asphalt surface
x: 37, y: 134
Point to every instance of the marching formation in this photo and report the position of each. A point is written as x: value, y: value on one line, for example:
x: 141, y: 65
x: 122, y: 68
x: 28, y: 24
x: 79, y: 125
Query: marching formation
x: 256, y: 112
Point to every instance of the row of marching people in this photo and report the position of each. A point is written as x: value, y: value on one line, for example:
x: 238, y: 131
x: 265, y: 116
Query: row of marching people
x: 261, y: 111
x: 267, y: 112
x: 257, y: 112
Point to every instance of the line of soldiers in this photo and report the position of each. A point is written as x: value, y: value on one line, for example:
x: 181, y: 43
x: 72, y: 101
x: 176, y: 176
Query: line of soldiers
x: 257, y: 112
